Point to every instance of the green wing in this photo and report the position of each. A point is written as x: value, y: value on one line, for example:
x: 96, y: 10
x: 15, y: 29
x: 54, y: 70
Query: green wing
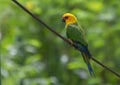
x: 76, y: 34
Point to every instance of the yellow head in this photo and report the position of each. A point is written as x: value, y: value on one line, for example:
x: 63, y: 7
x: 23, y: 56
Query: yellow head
x: 69, y: 18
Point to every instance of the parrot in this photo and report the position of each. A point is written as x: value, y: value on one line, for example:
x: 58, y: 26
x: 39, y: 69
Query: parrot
x: 75, y: 34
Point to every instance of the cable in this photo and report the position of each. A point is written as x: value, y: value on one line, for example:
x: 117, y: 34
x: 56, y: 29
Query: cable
x: 66, y: 40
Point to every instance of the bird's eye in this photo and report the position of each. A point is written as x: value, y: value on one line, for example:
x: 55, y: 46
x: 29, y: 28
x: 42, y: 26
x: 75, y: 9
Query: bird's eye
x: 66, y: 17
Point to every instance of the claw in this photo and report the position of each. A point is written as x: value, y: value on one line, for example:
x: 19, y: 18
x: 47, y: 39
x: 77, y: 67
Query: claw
x: 70, y: 41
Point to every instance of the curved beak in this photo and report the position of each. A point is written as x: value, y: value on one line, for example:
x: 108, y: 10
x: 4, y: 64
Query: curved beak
x: 63, y: 20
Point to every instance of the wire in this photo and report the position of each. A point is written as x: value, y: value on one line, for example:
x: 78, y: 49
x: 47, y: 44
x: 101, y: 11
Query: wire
x: 66, y: 40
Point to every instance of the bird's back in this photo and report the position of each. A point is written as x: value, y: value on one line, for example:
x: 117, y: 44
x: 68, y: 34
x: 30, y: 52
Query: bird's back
x: 76, y: 34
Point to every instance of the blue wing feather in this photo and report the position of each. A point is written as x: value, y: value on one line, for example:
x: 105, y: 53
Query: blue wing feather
x: 86, y: 56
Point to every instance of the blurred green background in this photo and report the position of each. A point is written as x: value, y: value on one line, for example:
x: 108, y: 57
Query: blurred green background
x: 32, y: 55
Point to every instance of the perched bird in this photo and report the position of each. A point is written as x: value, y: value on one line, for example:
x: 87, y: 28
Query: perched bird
x: 75, y: 34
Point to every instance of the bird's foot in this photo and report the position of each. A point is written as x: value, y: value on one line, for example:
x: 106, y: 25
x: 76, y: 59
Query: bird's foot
x: 70, y: 41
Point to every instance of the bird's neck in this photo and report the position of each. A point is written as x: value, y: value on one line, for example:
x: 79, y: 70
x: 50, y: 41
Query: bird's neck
x: 73, y: 24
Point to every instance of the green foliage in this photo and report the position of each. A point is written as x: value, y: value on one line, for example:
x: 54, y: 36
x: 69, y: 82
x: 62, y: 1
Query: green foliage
x: 32, y: 55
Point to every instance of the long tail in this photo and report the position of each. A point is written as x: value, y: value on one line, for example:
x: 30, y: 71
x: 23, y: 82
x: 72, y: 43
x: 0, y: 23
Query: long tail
x: 86, y: 58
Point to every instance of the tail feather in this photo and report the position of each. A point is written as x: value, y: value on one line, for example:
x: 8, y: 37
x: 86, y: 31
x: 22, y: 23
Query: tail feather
x: 87, y: 60
x: 86, y: 56
x: 91, y: 70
